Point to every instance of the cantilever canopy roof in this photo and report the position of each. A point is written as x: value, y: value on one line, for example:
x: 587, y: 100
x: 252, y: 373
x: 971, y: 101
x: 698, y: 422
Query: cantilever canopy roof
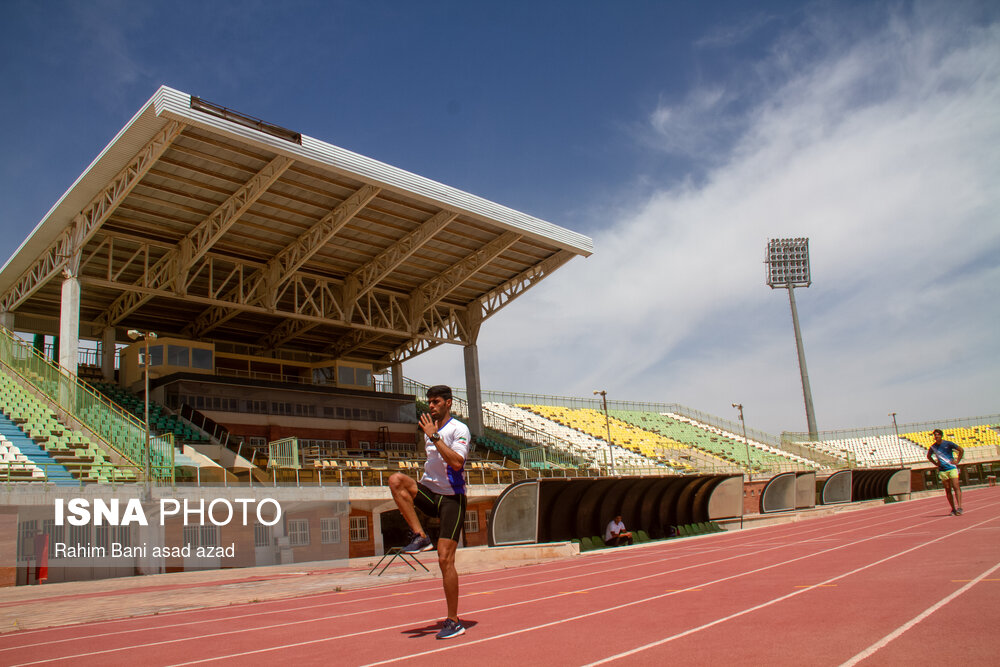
x: 201, y: 222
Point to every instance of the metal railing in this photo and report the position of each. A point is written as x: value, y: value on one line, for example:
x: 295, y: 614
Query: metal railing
x: 889, y: 429
x: 113, y: 427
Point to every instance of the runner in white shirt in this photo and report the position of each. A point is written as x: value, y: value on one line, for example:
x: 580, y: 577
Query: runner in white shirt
x: 440, y: 493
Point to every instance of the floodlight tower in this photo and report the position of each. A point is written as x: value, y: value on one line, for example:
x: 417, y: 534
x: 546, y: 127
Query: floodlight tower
x: 787, y: 268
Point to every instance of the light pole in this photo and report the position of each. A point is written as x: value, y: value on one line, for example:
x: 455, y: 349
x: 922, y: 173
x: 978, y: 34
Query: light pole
x: 787, y: 263
x: 135, y: 334
x: 746, y: 443
x: 607, y: 423
x: 899, y: 443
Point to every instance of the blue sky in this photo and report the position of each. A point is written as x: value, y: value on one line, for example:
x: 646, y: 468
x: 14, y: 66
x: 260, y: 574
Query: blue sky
x: 679, y: 135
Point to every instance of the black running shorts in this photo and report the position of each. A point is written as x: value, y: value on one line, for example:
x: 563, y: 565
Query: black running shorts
x: 450, y: 509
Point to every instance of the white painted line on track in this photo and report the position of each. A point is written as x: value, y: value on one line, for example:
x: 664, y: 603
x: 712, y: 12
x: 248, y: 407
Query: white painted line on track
x: 749, y: 610
x: 617, y: 583
x: 615, y: 562
x: 391, y: 627
x: 678, y: 550
x: 656, y: 597
x: 882, y: 643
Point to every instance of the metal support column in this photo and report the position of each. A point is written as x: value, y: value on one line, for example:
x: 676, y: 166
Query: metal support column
x: 806, y: 391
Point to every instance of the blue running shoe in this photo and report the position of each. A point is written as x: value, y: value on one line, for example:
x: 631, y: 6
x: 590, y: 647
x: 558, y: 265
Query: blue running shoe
x: 417, y: 544
x: 451, y: 629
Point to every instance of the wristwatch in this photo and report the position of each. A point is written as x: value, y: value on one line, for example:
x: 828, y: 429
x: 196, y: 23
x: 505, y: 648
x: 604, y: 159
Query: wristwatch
x: 435, y: 436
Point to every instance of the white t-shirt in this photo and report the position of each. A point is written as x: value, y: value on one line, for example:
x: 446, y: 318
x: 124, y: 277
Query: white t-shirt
x: 438, y: 475
x: 613, y: 527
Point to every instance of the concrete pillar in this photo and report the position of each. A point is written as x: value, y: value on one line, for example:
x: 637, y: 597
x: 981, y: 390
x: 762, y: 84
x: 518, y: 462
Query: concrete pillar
x: 7, y: 320
x: 69, y: 324
x: 473, y: 390
x: 397, y: 378
x: 108, y: 354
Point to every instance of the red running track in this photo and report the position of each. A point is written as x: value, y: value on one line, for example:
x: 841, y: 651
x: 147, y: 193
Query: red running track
x: 886, y: 585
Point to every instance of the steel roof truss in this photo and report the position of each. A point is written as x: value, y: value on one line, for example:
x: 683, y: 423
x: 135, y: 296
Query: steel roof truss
x: 351, y: 341
x: 497, y: 298
x: 429, y: 294
x: 68, y: 245
x: 410, y: 349
x: 173, y: 266
x: 201, y: 239
x: 284, y: 332
x: 268, y: 283
x: 296, y: 254
x: 371, y: 274
x: 434, y: 290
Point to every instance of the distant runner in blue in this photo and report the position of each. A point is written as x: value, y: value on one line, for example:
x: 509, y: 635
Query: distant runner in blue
x: 943, y: 454
x: 440, y: 493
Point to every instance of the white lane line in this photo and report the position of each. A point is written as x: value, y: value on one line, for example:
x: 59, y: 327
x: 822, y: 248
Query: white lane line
x: 656, y: 597
x: 882, y: 643
x: 504, y: 606
x: 678, y: 551
x: 749, y: 610
x: 616, y: 568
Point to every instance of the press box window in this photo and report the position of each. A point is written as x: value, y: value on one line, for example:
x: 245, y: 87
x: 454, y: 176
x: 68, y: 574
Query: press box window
x: 201, y: 358
x: 178, y: 355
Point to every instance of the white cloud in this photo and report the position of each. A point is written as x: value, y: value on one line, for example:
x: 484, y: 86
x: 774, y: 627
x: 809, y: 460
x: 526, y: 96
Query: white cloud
x: 883, y: 152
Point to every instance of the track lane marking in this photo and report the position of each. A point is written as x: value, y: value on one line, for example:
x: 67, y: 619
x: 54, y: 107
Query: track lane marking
x: 676, y: 555
x: 615, y: 567
x: 518, y: 603
x: 882, y: 643
x: 679, y: 551
x: 758, y: 607
x: 655, y: 597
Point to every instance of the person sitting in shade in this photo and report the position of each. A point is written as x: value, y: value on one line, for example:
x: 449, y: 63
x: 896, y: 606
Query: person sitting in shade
x: 615, y: 534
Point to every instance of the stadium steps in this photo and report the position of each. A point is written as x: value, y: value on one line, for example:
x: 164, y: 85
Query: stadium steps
x: 161, y: 420
x: 52, y: 469
x: 75, y: 452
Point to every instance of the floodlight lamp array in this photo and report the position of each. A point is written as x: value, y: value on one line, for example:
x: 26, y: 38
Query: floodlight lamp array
x: 787, y: 263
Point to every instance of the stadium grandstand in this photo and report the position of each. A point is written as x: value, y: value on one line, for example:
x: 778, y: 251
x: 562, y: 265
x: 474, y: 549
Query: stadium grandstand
x: 219, y: 303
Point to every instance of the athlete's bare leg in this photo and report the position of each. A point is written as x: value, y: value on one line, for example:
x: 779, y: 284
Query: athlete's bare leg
x: 404, y: 490
x: 957, y: 492
x: 449, y: 575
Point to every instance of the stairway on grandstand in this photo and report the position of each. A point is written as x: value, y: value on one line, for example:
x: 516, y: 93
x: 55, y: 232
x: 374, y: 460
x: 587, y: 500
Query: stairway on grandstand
x: 56, y: 428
